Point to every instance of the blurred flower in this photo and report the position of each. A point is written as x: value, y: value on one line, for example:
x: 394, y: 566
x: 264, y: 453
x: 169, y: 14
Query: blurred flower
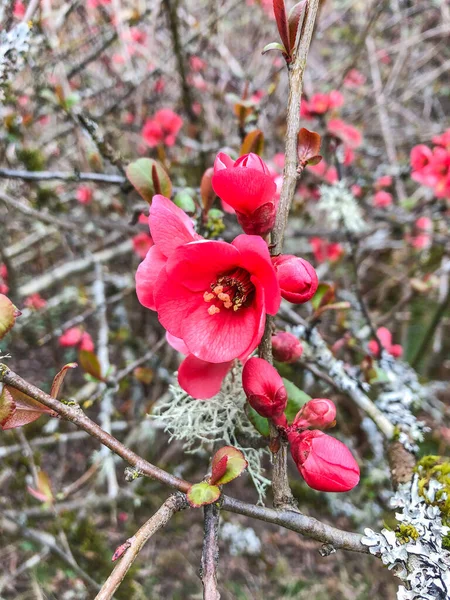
x: 385, y: 337
x: 142, y: 243
x: 354, y: 79
x: 84, y: 194
x: 286, y: 347
x: 35, y: 302
x: 324, y: 250
x: 163, y: 128
x: 382, y: 199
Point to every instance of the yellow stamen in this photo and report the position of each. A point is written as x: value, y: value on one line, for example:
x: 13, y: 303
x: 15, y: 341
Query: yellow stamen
x: 212, y: 310
x: 224, y: 297
x: 207, y: 296
x: 218, y: 289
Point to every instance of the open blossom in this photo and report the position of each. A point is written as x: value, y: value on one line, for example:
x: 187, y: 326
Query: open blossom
x: 248, y: 187
x: 324, y: 250
x: 297, y: 278
x: 75, y: 336
x: 382, y: 199
x: 142, y: 243
x: 354, y: 79
x: 324, y: 462
x: 35, y: 302
x: 264, y: 388
x: 163, y: 128
x: 286, y: 347
x: 349, y: 135
x: 318, y: 412
x: 431, y: 167
x: 385, y: 337
x: 212, y: 295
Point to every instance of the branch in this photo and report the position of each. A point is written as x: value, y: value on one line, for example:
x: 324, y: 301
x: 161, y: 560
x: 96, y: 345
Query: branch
x: 210, y: 553
x: 162, y: 516
x: 282, y: 495
x: 61, y: 176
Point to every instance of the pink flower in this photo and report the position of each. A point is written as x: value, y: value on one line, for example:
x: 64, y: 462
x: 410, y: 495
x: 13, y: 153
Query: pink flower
x: 319, y: 103
x: 264, y: 388
x: 356, y: 190
x: 420, y: 157
x: 84, y: 194
x: 424, y: 224
x: 286, y: 347
x: 383, y: 182
x: 443, y: 139
x: 348, y: 134
x: 160, y: 85
x: 325, y: 463
x: 354, y: 79
x: 297, y: 278
x: 162, y: 129
x: 382, y: 199
x: 385, y: 337
x: 211, y: 294
x: 421, y: 241
x: 319, y: 412
x: 3, y: 271
x: 19, y: 9
x: 142, y: 243
x: 72, y: 337
x: 35, y: 302
x: 335, y: 99
x: 248, y: 187
x: 196, y: 63
x: 86, y: 343
x: 324, y: 250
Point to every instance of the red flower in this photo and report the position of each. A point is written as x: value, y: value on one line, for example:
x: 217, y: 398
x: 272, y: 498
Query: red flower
x: 286, y: 347
x: 382, y: 199
x: 348, y: 134
x: 142, y: 243
x: 35, y: 302
x: 319, y: 412
x: 86, y: 343
x: 19, y: 9
x: 323, y: 250
x: 3, y: 271
x: 170, y: 227
x: 264, y: 388
x: 385, y: 337
x: 162, y: 129
x: 297, y: 278
x: 84, y: 194
x: 325, y: 463
x: 383, y: 182
x: 354, y: 79
x: 443, y: 139
x: 196, y: 63
x: 248, y: 187
x: 420, y: 157
x: 75, y: 336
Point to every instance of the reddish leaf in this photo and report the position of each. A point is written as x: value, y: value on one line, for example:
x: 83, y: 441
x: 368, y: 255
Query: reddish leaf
x: 43, y: 493
x: 149, y: 177
x: 206, y: 190
x: 89, y: 362
x: 8, y: 314
x: 59, y: 379
x: 295, y: 21
x: 235, y: 464
x: 18, y: 409
x: 315, y: 160
x: 279, y: 10
x: 143, y: 374
x: 253, y: 142
x: 218, y: 470
x: 308, y: 145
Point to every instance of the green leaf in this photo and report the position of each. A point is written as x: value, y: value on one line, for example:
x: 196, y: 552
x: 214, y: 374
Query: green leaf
x: 235, y: 464
x: 259, y: 423
x: 148, y: 177
x: 274, y: 46
x: 203, y: 493
x: 253, y: 142
x: 89, y: 362
x: 296, y: 399
x: 185, y: 202
x: 8, y: 314
x: 325, y: 294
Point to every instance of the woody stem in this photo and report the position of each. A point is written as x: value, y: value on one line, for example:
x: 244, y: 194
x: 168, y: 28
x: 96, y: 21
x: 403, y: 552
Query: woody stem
x: 282, y: 495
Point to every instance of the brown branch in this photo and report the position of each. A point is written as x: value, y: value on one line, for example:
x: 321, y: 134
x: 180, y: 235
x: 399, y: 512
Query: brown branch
x: 162, y: 516
x: 210, y: 553
x: 282, y: 495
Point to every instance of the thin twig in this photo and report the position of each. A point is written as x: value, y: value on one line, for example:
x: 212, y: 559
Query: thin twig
x: 210, y: 553
x: 61, y: 176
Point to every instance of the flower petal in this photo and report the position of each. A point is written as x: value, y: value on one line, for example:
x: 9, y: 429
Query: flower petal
x: 147, y: 275
x: 243, y: 188
x: 169, y: 225
x: 200, y: 379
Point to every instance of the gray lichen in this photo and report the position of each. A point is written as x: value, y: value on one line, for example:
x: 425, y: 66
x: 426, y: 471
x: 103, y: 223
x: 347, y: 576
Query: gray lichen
x: 340, y: 209
x: 14, y: 44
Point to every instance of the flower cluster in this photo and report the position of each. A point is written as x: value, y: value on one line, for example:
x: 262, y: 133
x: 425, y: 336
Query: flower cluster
x: 211, y: 296
x: 431, y: 167
x: 319, y: 104
x: 75, y: 336
x: 385, y: 337
x: 324, y: 462
x: 163, y: 128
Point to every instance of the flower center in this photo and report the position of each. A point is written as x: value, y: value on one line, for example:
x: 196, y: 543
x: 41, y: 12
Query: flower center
x: 231, y: 290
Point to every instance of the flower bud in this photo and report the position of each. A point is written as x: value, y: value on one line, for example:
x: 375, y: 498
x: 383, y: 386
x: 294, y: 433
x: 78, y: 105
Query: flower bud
x: 319, y: 412
x: 286, y: 347
x: 324, y: 462
x: 264, y: 388
x: 297, y: 278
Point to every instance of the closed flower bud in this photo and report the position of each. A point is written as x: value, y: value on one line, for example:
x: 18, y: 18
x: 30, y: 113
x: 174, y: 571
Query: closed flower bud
x: 324, y: 462
x: 264, y: 388
x: 286, y: 347
x: 297, y: 278
x: 319, y: 412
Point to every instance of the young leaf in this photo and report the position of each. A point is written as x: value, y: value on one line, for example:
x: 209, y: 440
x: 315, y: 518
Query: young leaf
x: 148, y: 177
x: 295, y: 21
x: 219, y: 468
x: 274, y: 46
x: 89, y: 362
x: 59, y: 379
x: 18, y: 409
x: 235, y: 465
x: 203, y: 493
x: 8, y: 314
x: 206, y: 190
x: 296, y: 399
x: 44, y: 488
x: 120, y: 550
x: 259, y: 423
x: 325, y: 295
x: 308, y: 145
x: 279, y: 10
x: 253, y: 142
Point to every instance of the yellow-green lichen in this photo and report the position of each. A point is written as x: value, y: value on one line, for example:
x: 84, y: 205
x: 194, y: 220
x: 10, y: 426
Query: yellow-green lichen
x: 406, y: 533
x: 438, y: 468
